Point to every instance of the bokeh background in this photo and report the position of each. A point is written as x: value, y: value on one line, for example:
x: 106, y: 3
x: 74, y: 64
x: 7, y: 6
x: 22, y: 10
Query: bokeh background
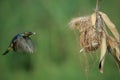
x: 57, y: 54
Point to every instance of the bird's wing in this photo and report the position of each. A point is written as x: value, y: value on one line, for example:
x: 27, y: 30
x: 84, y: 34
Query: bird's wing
x: 30, y: 44
x: 24, y: 45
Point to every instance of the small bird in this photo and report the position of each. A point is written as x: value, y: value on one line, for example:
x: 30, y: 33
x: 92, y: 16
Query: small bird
x: 21, y: 43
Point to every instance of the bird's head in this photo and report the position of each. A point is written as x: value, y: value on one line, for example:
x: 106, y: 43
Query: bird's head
x: 27, y: 34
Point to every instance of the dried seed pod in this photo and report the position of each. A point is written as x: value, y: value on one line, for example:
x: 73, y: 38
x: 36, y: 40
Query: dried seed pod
x: 81, y: 23
x: 89, y: 39
x: 93, y: 35
x: 110, y: 25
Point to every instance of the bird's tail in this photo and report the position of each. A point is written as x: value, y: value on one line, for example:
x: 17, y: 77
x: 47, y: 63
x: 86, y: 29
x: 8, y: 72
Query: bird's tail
x: 9, y: 49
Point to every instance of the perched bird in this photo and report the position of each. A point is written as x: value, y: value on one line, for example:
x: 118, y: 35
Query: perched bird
x: 21, y: 43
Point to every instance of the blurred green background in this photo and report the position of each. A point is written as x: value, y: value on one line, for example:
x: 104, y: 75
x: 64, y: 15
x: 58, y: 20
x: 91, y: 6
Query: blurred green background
x: 57, y: 54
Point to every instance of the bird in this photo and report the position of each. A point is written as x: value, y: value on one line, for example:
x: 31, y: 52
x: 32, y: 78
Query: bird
x: 21, y: 43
